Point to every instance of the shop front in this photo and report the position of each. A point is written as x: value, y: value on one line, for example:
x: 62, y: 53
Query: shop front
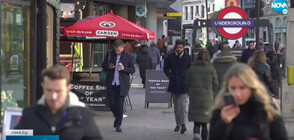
x: 20, y: 49
x: 15, y: 48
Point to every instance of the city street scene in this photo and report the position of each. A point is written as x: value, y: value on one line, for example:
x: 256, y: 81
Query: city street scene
x: 147, y: 69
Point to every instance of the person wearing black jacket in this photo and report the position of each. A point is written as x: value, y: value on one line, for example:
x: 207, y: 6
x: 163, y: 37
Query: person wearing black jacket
x: 144, y: 61
x: 258, y: 63
x: 118, y: 66
x: 248, y: 52
x: 176, y: 66
x: 253, y: 117
x: 59, y: 111
x: 275, y: 72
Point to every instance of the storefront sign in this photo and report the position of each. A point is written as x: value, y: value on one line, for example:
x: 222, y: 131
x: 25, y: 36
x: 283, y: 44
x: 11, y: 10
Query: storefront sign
x: 156, y: 87
x: 232, y: 23
x: 107, y: 33
x: 93, y: 94
x: 235, y: 22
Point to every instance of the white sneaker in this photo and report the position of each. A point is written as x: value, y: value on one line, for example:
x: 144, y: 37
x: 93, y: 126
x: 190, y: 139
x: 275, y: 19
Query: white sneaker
x: 125, y: 116
x: 197, y: 137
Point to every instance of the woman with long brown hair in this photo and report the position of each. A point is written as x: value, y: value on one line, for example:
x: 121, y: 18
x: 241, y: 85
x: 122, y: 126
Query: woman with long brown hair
x: 202, y: 82
x: 253, y: 117
x: 258, y: 63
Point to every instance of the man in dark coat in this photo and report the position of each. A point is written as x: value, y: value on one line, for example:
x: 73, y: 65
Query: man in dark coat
x: 144, y: 61
x: 222, y: 63
x: 59, y: 112
x: 119, y: 66
x: 176, y: 66
x: 248, y: 52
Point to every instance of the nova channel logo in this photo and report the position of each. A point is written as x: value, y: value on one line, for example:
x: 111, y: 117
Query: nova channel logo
x: 280, y: 6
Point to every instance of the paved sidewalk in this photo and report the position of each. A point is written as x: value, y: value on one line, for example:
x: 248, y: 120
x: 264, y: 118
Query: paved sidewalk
x: 154, y: 123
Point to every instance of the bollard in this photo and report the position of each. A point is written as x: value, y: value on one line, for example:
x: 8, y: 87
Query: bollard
x: 290, y: 75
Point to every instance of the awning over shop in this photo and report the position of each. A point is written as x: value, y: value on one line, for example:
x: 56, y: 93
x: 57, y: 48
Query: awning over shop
x: 109, y: 26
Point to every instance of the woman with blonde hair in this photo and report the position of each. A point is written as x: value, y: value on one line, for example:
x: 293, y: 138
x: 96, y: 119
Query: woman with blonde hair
x: 258, y: 63
x: 253, y: 117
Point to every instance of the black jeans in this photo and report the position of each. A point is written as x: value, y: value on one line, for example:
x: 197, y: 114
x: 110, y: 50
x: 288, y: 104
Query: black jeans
x: 116, y: 104
x: 204, y: 132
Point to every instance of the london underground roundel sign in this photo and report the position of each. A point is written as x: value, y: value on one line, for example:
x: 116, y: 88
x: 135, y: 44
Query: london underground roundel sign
x: 232, y: 22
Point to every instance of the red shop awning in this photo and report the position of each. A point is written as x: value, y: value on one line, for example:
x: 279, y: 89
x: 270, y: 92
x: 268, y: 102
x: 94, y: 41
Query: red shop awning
x: 109, y: 26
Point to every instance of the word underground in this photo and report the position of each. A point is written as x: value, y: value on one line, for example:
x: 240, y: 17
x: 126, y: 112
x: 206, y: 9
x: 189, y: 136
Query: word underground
x: 234, y: 23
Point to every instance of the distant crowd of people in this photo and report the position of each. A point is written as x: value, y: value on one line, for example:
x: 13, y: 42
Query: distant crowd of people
x: 235, y: 97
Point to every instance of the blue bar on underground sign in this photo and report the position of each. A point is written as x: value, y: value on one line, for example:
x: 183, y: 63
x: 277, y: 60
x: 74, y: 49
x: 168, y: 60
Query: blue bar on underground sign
x: 32, y: 137
x: 232, y: 23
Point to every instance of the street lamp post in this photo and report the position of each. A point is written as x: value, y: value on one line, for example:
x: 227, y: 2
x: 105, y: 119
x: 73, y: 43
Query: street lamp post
x: 206, y: 8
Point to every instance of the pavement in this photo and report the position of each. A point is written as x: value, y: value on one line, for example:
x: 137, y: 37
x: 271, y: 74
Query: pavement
x: 154, y: 123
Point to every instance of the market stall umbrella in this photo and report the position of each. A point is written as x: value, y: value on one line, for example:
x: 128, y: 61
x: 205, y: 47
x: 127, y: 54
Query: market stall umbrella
x: 109, y: 26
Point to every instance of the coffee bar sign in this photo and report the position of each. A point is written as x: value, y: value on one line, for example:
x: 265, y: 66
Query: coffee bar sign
x: 93, y: 94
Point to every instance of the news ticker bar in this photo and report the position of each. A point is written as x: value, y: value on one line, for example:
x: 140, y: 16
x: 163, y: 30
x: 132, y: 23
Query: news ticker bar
x: 32, y: 137
x: 27, y: 134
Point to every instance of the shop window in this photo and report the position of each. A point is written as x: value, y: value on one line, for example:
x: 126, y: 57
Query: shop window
x: 15, y: 46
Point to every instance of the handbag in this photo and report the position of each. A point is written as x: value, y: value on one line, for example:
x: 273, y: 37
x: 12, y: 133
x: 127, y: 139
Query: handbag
x: 102, y: 76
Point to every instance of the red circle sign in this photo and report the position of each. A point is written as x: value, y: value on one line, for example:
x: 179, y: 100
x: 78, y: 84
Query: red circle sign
x: 232, y: 13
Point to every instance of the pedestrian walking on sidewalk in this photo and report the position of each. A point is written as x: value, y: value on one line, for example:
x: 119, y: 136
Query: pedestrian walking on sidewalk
x: 176, y: 66
x: 154, y: 54
x: 246, y: 54
x: 202, y: 82
x: 258, y: 63
x: 119, y: 66
x: 252, y: 117
x: 59, y: 111
x: 144, y: 61
x: 222, y: 64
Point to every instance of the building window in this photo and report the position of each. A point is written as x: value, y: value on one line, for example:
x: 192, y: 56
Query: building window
x: 192, y: 12
x: 202, y: 11
x: 213, y: 7
x: 186, y: 13
x: 197, y: 9
x: 278, y: 37
x: 278, y: 22
x: 285, y: 22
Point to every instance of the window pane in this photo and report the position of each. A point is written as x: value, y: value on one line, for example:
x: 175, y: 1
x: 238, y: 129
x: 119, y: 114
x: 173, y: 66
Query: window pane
x: 14, y: 55
x: 197, y: 9
x: 186, y: 13
x: 192, y: 12
x: 202, y: 11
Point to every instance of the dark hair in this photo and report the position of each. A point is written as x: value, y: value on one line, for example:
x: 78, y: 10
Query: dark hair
x: 251, y: 42
x: 163, y: 36
x: 118, y: 42
x: 179, y: 42
x: 57, y: 72
x: 204, y: 56
x: 270, y: 55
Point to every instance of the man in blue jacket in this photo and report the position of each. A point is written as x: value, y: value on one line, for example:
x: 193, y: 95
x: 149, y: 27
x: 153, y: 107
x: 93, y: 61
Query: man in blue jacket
x: 176, y: 66
x: 119, y: 65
